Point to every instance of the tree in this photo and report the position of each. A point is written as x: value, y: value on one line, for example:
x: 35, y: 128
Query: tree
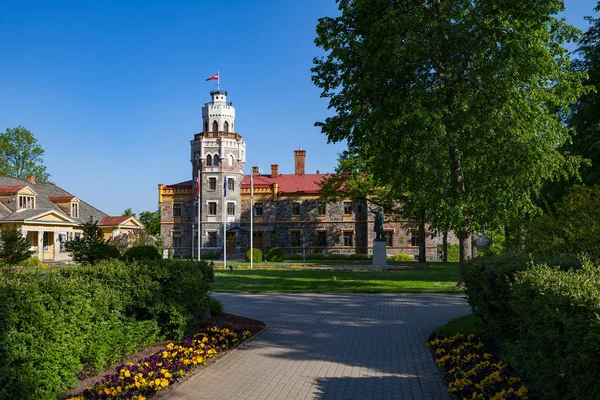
x: 20, y: 155
x: 151, y: 221
x: 90, y: 248
x: 456, y: 103
x: 14, y: 248
x: 129, y: 213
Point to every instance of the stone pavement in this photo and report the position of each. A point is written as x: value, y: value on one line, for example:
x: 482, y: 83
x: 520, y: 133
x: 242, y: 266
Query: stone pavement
x: 330, y: 346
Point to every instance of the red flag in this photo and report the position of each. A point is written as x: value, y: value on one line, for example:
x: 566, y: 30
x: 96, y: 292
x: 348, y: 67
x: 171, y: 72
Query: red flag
x: 215, y: 77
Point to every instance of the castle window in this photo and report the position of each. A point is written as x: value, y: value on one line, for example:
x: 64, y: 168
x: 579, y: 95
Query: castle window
x: 177, y: 210
x: 205, y: 126
x: 347, y: 208
x: 74, y: 210
x: 212, y: 239
x: 216, y: 160
x: 389, y: 238
x: 212, y: 208
x: 212, y: 183
x: 348, y: 238
x: 322, y: 209
x: 215, y: 126
x: 26, y: 202
x: 322, y: 238
x: 414, y: 237
x: 295, y: 238
x: 258, y: 239
x: 230, y: 208
x: 258, y: 209
x: 295, y: 209
x: 230, y: 184
x: 176, y: 239
x: 226, y: 126
x: 230, y: 159
x: 208, y: 160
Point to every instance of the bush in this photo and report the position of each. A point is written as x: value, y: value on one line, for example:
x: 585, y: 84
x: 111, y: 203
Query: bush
x: 294, y: 257
x: 257, y: 255
x: 14, y: 248
x: 401, y: 257
x: 488, y: 282
x: 32, y: 262
x: 559, y: 330
x: 336, y: 257
x: 359, y: 257
x: 216, y: 307
x: 275, y: 254
x: 211, y: 255
x: 315, y: 256
x: 87, y: 317
x: 142, y: 253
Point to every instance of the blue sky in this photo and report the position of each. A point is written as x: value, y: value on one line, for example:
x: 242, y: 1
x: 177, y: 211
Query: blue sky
x: 113, y: 90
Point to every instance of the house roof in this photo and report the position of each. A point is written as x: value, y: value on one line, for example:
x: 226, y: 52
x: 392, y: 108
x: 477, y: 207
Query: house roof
x: 11, y: 189
x: 180, y: 185
x: 28, y: 214
x: 59, y: 199
x: 114, y: 221
x: 288, y: 183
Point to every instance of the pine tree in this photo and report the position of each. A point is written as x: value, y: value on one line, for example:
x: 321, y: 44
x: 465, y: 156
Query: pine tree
x: 14, y: 248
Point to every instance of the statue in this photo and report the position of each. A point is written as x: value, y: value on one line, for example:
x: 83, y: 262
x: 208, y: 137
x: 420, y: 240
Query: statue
x: 378, y: 228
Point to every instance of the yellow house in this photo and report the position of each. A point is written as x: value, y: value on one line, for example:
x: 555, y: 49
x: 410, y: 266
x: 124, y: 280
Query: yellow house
x: 49, y: 216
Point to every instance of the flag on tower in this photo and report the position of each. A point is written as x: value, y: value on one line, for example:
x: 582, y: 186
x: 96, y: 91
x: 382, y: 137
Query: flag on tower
x: 225, y: 186
x: 215, y: 77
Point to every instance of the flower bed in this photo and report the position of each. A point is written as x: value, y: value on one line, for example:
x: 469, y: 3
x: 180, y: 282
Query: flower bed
x: 159, y: 371
x: 473, y: 373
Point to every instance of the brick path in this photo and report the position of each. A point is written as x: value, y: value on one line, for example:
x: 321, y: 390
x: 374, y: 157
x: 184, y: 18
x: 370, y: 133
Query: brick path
x: 330, y: 346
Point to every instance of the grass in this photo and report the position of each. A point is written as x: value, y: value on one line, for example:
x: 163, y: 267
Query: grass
x: 465, y: 325
x: 435, y: 278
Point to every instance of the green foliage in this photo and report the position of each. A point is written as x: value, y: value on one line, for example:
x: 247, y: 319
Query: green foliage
x: 90, y: 248
x: 151, y: 221
x: 336, y: 257
x: 315, y: 256
x: 275, y: 254
x: 558, y: 330
x: 211, y: 255
x: 488, y: 282
x: 129, y: 212
x: 571, y: 226
x: 358, y: 256
x: 14, y: 248
x: 34, y: 262
x: 294, y: 257
x: 21, y: 155
x: 401, y: 257
x: 139, y: 253
x: 216, y: 307
x: 257, y: 255
x: 87, y: 317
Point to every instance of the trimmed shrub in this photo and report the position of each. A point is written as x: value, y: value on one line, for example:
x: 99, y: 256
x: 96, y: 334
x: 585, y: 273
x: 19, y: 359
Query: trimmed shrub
x: 315, y: 256
x: 257, y: 257
x: 558, y: 330
x: 294, y: 257
x: 359, y: 257
x: 216, y: 307
x: 336, y: 257
x: 275, y: 254
x: 402, y: 257
x: 142, y: 253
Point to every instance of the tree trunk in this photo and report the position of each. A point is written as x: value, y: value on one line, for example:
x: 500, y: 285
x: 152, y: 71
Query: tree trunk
x: 422, y: 255
x: 445, y: 247
x: 463, y: 240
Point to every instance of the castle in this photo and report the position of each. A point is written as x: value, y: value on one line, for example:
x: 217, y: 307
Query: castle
x: 213, y: 207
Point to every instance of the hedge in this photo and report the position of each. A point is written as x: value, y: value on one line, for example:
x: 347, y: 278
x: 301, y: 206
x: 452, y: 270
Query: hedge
x: 56, y: 325
x: 275, y: 254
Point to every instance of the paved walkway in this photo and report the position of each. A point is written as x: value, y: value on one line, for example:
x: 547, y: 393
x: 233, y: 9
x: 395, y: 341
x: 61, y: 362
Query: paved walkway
x: 330, y: 346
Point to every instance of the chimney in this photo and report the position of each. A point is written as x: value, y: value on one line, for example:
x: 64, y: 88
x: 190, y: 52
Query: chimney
x: 299, y: 161
x: 274, y: 170
x: 31, y: 178
x: 255, y: 170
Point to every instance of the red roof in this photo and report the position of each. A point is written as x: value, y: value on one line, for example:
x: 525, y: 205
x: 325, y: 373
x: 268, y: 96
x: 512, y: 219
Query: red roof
x: 180, y: 185
x: 59, y: 199
x: 288, y: 183
x: 11, y: 189
x: 114, y: 221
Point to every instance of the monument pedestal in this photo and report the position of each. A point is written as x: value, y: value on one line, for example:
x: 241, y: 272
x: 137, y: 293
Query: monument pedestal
x: 379, y: 259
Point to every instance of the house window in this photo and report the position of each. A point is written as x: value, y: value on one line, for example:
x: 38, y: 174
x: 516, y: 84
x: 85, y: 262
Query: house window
x: 230, y: 184
x: 74, y: 210
x: 258, y: 209
x: 230, y: 208
x: 389, y: 238
x: 208, y: 160
x: 226, y: 126
x: 63, y: 238
x: 347, y: 208
x: 296, y: 209
x: 212, y: 183
x: 348, y: 238
x: 322, y: 209
x: 176, y: 239
x: 26, y: 202
x: 414, y: 237
x: 212, y: 208
x: 295, y: 238
x: 212, y: 239
x: 322, y: 238
x: 177, y: 210
x: 216, y: 160
x: 215, y: 126
x: 77, y: 235
x: 258, y: 240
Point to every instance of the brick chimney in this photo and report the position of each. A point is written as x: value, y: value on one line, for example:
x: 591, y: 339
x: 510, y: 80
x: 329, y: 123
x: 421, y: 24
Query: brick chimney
x: 299, y: 161
x: 254, y: 170
x: 274, y: 170
x: 31, y: 178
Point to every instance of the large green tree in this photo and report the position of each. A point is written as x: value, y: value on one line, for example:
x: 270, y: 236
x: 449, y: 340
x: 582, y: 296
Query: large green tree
x: 151, y: 221
x: 458, y: 103
x: 21, y: 155
x: 14, y: 248
x: 92, y: 247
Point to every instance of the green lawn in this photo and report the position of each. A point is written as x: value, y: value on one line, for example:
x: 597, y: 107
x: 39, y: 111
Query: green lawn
x: 435, y: 278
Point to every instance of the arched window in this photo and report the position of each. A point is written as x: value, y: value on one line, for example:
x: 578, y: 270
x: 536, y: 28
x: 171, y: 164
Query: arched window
x: 230, y: 159
x: 216, y: 160
x: 205, y: 126
x: 215, y: 126
x: 226, y: 126
x: 208, y: 160
x: 197, y: 158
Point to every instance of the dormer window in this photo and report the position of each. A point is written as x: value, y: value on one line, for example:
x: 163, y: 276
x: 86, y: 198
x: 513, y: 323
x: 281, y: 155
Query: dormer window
x: 75, y: 210
x: 26, y: 202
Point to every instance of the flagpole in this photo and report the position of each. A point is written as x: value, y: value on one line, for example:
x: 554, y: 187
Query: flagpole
x: 199, y: 213
x: 218, y: 80
x: 224, y: 221
x: 251, y: 219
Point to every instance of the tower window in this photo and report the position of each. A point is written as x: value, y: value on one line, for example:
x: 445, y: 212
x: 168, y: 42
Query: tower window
x: 322, y: 209
x: 215, y: 126
x: 230, y: 208
x: 212, y: 208
x: 226, y: 126
x: 322, y: 238
x: 348, y: 238
x: 208, y: 160
x: 212, y: 239
x: 230, y: 159
x: 205, y: 126
x: 216, y: 160
x: 212, y: 183
x: 176, y: 239
x: 296, y: 209
x: 230, y: 184
x: 177, y: 210
x: 347, y: 208
x: 295, y: 238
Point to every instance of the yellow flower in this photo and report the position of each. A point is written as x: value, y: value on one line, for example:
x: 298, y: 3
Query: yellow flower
x: 164, y: 383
